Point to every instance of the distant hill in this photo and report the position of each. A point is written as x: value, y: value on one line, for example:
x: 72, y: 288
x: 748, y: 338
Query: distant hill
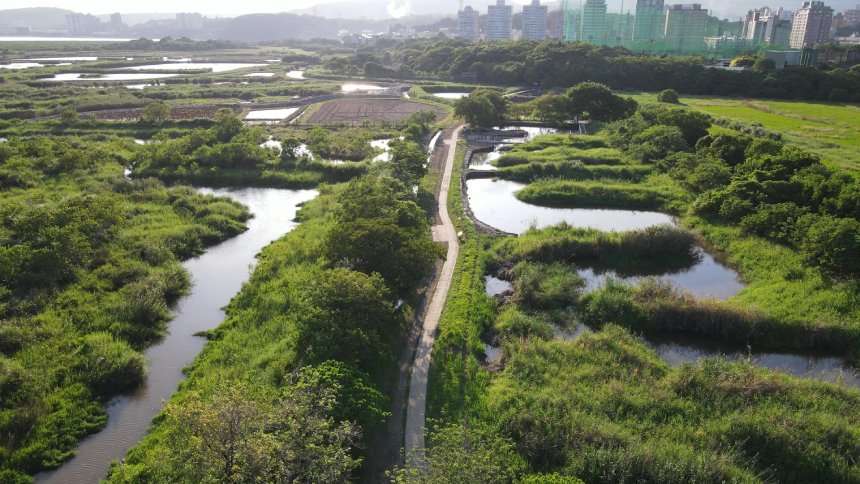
x: 36, y: 18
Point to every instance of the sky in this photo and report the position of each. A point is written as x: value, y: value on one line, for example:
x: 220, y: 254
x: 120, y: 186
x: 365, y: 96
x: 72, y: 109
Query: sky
x: 735, y: 8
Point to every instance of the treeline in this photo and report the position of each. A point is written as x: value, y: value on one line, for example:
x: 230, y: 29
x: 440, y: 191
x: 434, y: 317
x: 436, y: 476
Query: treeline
x: 556, y: 64
x: 771, y: 190
x: 90, y: 264
x: 307, y: 353
x: 183, y: 44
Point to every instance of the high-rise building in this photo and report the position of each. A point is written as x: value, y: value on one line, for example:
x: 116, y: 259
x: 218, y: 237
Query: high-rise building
x: 467, y: 24
x: 811, y: 25
x: 570, y: 20
x: 535, y: 21
x: 555, y: 24
x: 650, y: 20
x: 852, y: 16
x: 685, y: 27
x: 189, y: 21
x: 499, y: 21
x: 766, y: 26
x: 116, y: 25
x: 83, y: 24
x: 592, y: 26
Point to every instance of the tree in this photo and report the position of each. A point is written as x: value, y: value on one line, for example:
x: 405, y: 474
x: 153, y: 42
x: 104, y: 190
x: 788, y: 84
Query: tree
x: 763, y: 64
x: 381, y: 230
x: 598, y: 102
x: 346, y: 315
x: 228, y: 125
x: 407, y: 162
x: 658, y: 142
x: 290, y: 146
x: 69, y: 116
x: 553, y: 110
x: 462, y: 453
x: 239, y: 435
x: 156, y: 113
x: 483, y: 107
x: 668, y: 96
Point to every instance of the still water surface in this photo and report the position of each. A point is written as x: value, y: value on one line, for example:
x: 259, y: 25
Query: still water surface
x: 217, y: 276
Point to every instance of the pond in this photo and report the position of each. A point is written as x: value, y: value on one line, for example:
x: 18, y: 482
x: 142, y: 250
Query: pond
x: 260, y: 74
x: 495, y: 286
x: 707, y: 279
x: 493, y: 202
x: 62, y: 59
x: 217, y: 276
x: 353, y: 87
x: 185, y: 66
x: 451, y: 95
x: 270, y: 114
x: 76, y: 76
x: 296, y: 74
x: 482, y: 161
x: 14, y: 66
x: 532, y: 132
x: 678, y: 349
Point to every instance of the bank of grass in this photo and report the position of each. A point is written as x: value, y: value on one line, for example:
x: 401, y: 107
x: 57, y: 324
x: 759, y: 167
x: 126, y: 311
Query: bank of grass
x: 647, y: 250
x: 657, y: 193
x: 588, y: 156
x: 574, y: 170
x: 457, y: 380
x: 90, y: 268
x: 604, y: 407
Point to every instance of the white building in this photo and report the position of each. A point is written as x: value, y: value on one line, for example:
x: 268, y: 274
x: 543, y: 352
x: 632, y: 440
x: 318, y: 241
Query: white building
x: 535, y: 21
x: 811, y: 25
x: 467, y: 24
x: 500, y: 19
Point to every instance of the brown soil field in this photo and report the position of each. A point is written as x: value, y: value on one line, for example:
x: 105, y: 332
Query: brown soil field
x: 357, y: 111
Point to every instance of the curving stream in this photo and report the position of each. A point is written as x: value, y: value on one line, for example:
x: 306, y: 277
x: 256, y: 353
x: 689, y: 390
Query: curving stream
x: 217, y: 276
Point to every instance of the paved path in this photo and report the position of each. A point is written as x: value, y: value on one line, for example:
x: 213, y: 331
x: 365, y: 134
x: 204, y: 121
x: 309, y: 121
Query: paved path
x: 444, y: 233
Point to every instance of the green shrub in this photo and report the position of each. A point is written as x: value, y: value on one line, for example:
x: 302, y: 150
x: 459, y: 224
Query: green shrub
x: 668, y: 96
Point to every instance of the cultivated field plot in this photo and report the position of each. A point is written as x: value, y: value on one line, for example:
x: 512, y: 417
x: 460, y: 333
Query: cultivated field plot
x: 357, y: 111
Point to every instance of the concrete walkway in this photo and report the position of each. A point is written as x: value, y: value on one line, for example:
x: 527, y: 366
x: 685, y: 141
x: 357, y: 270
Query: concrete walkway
x: 444, y: 233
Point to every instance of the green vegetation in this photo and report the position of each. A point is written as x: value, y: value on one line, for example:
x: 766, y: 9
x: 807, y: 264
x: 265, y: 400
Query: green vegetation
x: 603, y: 407
x: 483, y: 107
x: 90, y: 264
x: 310, y: 340
x: 565, y: 64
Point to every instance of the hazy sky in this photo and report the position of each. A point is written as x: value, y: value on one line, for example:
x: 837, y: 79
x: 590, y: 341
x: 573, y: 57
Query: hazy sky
x: 720, y: 7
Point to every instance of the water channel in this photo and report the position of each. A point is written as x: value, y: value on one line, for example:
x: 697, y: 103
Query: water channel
x: 217, y: 276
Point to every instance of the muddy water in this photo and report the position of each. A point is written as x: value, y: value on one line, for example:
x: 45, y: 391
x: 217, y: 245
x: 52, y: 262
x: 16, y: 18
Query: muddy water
x: 217, y: 276
x: 493, y: 202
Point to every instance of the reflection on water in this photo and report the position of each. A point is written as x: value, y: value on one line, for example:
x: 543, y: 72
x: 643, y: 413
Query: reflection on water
x: 482, y: 161
x: 75, y: 76
x: 270, y: 114
x: 353, y: 87
x: 20, y: 65
x: 217, y: 276
x: 451, y: 95
x: 495, y: 286
x: 682, y: 348
x: 532, y: 132
x: 493, y: 202
x: 296, y: 74
x: 707, y: 279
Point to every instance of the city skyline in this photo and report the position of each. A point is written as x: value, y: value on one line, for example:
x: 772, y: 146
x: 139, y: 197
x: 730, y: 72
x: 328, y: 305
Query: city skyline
x: 732, y: 9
